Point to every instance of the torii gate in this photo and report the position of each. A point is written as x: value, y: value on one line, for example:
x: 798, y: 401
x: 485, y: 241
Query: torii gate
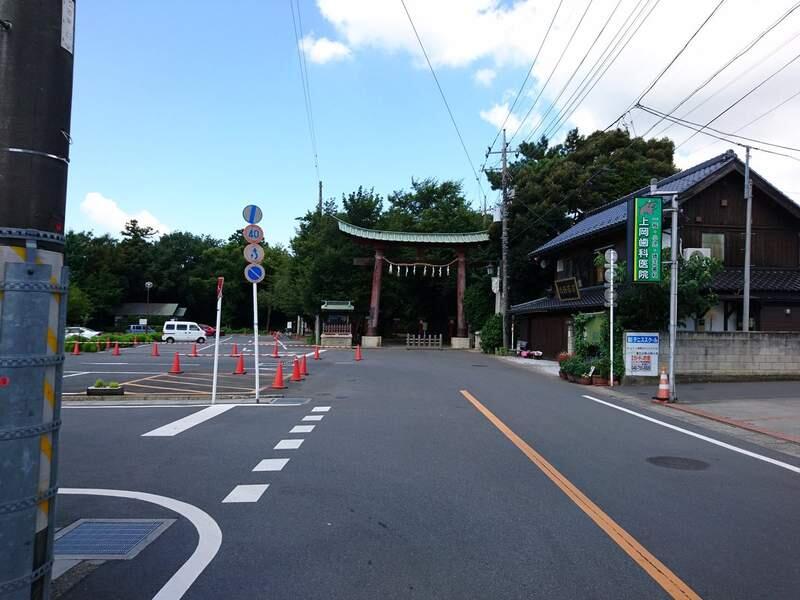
x: 380, y: 241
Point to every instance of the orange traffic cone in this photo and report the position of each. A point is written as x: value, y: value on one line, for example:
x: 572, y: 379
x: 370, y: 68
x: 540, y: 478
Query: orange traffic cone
x: 358, y: 352
x: 194, y: 351
x: 275, y: 350
x: 76, y: 349
x: 316, y: 353
x: 115, y: 352
x: 239, y: 370
x: 277, y: 383
x: 296, y: 371
x: 235, y: 351
x: 176, y: 365
x: 303, y: 366
x: 108, y: 343
x: 154, y: 351
x: 97, y: 343
x: 663, y: 387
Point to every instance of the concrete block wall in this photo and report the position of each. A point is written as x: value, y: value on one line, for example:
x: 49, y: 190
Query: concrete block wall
x: 734, y: 355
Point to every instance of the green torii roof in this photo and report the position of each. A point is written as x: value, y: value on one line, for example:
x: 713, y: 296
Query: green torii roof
x: 409, y: 237
x: 338, y: 305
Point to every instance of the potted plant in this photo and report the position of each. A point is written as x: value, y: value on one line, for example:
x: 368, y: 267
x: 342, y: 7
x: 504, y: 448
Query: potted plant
x: 101, y: 388
x: 600, y: 376
x: 584, y: 378
x: 562, y: 359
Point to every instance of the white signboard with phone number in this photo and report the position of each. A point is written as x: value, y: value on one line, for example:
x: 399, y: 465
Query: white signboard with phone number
x: 641, y: 353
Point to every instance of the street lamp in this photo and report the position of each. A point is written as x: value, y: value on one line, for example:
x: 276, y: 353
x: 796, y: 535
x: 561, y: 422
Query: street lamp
x: 147, y: 286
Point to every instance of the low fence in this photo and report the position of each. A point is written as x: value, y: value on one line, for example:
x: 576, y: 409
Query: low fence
x: 423, y: 341
x: 733, y: 355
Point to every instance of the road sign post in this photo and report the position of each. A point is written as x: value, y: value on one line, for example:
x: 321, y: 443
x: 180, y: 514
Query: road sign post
x: 254, y: 272
x: 220, y: 283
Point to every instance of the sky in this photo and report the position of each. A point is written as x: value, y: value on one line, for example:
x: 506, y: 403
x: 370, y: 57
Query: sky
x: 185, y: 111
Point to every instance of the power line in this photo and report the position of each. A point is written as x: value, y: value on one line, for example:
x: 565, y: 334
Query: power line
x: 577, y: 97
x: 527, y: 76
x: 444, y: 99
x: 679, y: 121
x: 741, y: 98
x: 558, y: 62
x: 298, y: 24
x: 575, y: 71
x: 733, y: 59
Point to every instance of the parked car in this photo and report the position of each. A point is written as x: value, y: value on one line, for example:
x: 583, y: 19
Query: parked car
x: 182, y: 331
x: 140, y: 329
x: 210, y: 331
x: 81, y: 331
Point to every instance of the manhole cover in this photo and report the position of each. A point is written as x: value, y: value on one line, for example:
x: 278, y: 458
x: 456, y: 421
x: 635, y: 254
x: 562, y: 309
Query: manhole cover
x: 678, y: 462
x: 105, y: 539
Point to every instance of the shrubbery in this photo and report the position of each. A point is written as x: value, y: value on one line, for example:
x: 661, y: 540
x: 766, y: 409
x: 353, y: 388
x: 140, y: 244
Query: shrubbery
x: 492, y: 334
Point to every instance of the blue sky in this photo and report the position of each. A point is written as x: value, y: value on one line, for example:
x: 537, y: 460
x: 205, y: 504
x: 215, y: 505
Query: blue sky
x: 184, y: 111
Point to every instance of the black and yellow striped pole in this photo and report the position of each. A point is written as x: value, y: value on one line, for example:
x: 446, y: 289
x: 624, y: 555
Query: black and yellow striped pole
x: 36, y: 68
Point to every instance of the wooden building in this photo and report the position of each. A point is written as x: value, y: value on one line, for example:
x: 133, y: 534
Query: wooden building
x: 712, y: 222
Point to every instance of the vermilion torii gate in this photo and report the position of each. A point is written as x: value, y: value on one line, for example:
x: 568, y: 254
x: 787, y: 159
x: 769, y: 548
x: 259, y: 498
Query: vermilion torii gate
x: 381, y: 241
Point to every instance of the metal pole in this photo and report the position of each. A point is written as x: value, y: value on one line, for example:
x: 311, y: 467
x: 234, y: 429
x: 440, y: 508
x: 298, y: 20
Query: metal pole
x: 673, y: 297
x: 216, y: 350
x: 255, y: 336
x: 319, y: 204
x: 36, y: 68
x: 504, y: 242
x: 611, y: 326
x: 748, y: 194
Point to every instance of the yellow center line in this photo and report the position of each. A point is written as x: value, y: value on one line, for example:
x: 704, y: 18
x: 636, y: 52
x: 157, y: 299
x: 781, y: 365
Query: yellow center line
x: 660, y: 573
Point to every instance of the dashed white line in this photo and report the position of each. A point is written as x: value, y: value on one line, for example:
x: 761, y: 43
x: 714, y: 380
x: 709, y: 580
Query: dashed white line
x: 321, y: 409
x: 302, y: 429
x: 313, y: 418
x: 288, y: 445
x: 76, y: 374
x: 181, y: 425
x: 271, y: 464
x: 246, y: 493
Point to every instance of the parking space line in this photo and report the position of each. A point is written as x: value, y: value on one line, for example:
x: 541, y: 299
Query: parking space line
x: 288, y: 445
x: 246, y: 493
x: 321, y: 409
x: 271, y: 464
x: 313, y: 418
x: 181, y: 425
x: 170, y: 389
x: 302, y: 429
x: 212, y: 344
x: 76, y: 374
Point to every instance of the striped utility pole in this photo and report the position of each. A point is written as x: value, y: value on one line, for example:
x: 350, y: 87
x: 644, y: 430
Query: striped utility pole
x: 36, y: 65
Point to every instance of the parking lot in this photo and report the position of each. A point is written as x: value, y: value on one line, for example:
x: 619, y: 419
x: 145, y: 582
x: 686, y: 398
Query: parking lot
x: 141, y: 373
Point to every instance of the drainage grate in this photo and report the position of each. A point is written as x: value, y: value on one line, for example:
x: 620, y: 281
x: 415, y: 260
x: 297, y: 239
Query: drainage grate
x: 106, y: 539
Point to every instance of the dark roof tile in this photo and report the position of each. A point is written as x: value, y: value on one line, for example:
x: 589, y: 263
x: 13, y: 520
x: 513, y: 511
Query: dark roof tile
x: 591, y: 297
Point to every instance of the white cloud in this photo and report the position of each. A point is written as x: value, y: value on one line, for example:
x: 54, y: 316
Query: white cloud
x: 110, y: 218
x: 460, y: 33
x: 322, y: 50
x: 496, y: 116
x: 485, y: 77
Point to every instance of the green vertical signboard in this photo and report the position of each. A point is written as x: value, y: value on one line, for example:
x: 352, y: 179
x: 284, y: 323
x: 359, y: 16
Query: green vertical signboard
x: 646, y: 257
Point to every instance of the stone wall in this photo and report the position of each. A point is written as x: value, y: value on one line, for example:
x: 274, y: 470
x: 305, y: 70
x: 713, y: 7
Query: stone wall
x: 733, y: 355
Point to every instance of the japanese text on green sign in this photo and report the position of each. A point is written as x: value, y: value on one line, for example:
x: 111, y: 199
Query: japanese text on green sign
x: 647, y: 240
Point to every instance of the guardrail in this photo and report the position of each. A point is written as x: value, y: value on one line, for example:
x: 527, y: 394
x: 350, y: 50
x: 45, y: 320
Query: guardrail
x: 423, y: 341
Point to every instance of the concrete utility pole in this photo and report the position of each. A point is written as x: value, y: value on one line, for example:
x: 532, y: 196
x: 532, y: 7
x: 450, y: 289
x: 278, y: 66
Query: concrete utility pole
x: 36, y: 65
x: 504, y: 242
x: 319, y: 202
x: 748, y: 195
x: 673, y: 295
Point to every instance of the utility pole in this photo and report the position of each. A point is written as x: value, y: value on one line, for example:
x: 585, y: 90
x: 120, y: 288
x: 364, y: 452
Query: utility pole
x: 748, y: 195
x: 36, y: 66
x: 319, y: 202
x: 504, y: 242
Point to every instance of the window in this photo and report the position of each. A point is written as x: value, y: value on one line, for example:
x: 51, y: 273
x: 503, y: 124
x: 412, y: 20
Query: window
x: 182, y: 327
x: 169, y: 327
x: 716, y: 242
x: 194, y: 328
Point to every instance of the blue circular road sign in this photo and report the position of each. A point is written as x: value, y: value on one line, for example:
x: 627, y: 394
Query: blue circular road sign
x: 254, y: 273
x: 252, y: 214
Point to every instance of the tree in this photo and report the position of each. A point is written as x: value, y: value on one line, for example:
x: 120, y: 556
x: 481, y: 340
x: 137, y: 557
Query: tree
x: 79, y: 306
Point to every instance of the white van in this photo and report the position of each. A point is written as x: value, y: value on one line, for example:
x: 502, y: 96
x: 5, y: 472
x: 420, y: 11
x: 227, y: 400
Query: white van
x: 183, y: 331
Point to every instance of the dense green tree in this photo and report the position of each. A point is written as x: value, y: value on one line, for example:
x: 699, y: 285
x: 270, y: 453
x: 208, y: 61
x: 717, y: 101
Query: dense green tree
x: 79, y: 306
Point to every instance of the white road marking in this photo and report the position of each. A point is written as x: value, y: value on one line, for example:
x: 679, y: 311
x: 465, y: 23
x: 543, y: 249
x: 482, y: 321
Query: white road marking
x: 208, y: 533
x: 302, y: 429
x: 271, y: 464
x: 246, y: 493
x: 118, y: 373
x: 187, y: 405
x: 181, y: 425
x: 76, y: 374
x: 212, y: 345
x: 107, y: 363
x: 699, y: 436
x: 313, y: 418
x: 321, y: 409
x: 288, y: 445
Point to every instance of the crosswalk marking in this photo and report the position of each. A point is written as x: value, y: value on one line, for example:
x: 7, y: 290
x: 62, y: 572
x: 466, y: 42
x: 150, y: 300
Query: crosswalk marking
x: 271, y: 464
x: 246, y: 493
x: 288, y: 445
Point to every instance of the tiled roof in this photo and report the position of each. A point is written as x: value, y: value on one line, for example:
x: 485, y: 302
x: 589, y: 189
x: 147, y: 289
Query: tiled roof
x: 615, y: 213
x: 405, y: 237
x: 761, y: 280
x: 591, y: 297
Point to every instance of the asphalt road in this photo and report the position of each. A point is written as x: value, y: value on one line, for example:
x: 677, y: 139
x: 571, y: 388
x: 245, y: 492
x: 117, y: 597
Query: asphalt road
x: 406, y: 488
